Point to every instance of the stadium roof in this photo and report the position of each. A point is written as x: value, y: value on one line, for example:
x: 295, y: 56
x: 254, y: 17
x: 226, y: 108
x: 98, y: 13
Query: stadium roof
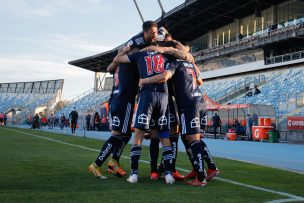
x: 33, y: 87
x: 187, y: 22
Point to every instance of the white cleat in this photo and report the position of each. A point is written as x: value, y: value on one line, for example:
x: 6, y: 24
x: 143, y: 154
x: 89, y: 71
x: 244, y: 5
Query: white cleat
x: 169, y: 179
x: 133, y: 178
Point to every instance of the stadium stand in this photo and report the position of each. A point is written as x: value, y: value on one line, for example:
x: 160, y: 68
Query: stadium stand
x: 21, y: 99
x: 90, y: 101
x: 280, y: 88
x: 238, y: 49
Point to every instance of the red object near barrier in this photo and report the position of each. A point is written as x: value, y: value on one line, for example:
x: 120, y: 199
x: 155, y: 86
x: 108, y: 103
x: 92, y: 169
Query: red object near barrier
x: 267, y: 121
x: 261, y: 132
x: 261, y: 121
x: 231, y: 136
x: 295, y: 123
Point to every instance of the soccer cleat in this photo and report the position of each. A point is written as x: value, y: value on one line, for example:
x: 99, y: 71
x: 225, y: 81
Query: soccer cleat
x: 178, y: 176
x: 196, y: 182
x: 133, y: 178
x: 114, y: 168
x: 154, y: 176
x: 190, y: 175
x: 212, y: 173
x: 95, y: 170
x: 169, y: 179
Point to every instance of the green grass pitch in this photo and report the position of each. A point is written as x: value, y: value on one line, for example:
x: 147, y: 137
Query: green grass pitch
x: 39, y: 170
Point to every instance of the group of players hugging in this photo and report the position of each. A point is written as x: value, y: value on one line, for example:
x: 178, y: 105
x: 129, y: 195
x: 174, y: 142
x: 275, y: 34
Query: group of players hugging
x: 160, y: 74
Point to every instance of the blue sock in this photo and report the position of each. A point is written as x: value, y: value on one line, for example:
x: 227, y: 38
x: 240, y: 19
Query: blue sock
x: 135, y: 155
x: 120, y: 147
x: 196, y: 151
x: 154, y: 150
x: 106, y: 150
x: 167, y: 159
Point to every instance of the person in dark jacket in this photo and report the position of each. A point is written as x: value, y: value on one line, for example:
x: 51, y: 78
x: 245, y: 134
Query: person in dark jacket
x: 216, y: 123
x: 5, y: 119
x: 62, y: 121
x: 88, y: 120
x: 96, y: 121
x: 74, y: 118
x: 35, y: 124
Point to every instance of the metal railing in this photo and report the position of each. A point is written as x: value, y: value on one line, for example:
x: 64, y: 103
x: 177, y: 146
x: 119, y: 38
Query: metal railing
x: 250, y: 42
x: 86, y: 93
x: 284, y: 57
x: 240, y: 88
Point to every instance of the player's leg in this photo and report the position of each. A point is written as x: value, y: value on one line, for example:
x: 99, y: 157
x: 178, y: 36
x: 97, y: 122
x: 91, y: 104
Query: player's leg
x: 191, y: 128
x: 163, y: 126
x: 121, y: 117
x: 142, y: 117
x: 174, y: 135
x: 212, y: 169
x: 104, y: 153
x: 154, y: 151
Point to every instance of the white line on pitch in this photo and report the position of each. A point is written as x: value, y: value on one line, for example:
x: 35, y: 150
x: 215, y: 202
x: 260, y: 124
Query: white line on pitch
x: 293, y: 197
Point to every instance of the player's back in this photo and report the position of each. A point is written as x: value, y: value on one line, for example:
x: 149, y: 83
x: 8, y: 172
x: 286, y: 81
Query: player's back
x: 185, y: 83
x: 150, y: 64
x: 125, y: 81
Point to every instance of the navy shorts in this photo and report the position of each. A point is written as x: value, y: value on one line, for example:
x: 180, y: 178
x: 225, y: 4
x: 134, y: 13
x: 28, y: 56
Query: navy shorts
x: 173, y: 112
x: 190, y: 120
x: 203, y: 118
x: 152, y: 111
x: 121, y: 115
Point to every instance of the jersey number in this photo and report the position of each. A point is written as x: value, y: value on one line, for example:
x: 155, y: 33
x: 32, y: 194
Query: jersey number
x: 154, y: 64
x: 192, y: 73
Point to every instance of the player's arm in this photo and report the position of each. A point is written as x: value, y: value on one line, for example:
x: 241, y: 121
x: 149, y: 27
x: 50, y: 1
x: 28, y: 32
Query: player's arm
x: 122, y: 57
x: 112, y: 67
x: 198, y: 72
x: 181, y: 47
x: 157, y: 78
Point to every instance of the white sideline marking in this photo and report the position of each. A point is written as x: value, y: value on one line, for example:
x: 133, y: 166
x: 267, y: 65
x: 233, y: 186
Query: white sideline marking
x: 291, y: 196
x: 283, y: 200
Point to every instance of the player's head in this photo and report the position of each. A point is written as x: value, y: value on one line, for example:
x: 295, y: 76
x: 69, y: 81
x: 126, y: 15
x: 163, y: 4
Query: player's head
x: 161, y: 34
x: 150, y: 31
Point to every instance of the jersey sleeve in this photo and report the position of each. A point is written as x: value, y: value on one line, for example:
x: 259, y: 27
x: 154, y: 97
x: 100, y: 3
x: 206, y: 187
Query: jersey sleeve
x: 130, y: 43
x: 171, y: 66
x: 133, y: 57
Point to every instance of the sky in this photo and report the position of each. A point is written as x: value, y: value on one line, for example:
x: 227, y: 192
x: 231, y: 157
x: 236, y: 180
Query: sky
x: 39, y: 37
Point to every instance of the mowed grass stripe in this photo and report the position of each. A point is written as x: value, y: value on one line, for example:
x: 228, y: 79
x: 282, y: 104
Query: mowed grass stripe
x: 59, y: 172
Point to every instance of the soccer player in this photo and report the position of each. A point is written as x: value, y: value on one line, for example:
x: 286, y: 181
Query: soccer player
x: 188, y: 97
x: 145, y: 38
x: 125, y: 88
x: 173, y: 136
x: 152, y: 106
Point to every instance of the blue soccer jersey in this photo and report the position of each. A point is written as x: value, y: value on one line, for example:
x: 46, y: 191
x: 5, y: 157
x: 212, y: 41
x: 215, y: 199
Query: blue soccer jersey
x: 185, y: 83
x: 125, y: 82
x: 138, y: 41
x: 150, y: 64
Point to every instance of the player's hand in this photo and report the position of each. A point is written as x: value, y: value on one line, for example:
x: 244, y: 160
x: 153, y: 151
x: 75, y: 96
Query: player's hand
x: 141, y: 82
x: 190, y: 58
x: 152, y: 48
x: 126, y: 49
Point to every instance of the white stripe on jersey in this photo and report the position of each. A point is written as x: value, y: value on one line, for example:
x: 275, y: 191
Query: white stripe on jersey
x: 183, y: 124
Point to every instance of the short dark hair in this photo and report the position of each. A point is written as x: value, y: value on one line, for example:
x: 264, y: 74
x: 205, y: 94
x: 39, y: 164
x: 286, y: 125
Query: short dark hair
x: 148, y: 24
